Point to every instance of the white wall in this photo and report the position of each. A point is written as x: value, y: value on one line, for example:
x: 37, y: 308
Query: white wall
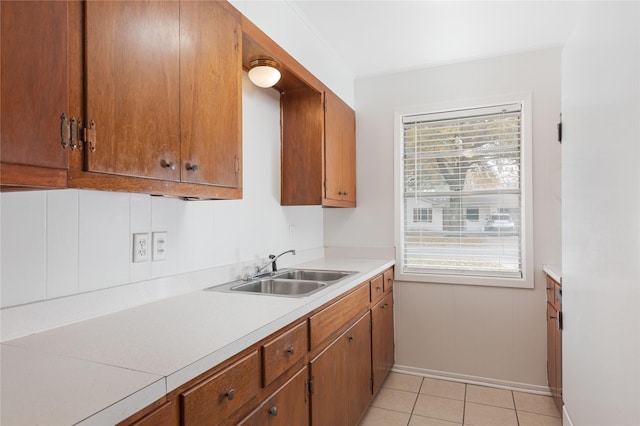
x: 66, y: 242
x: 601, y: 216
x: 493, y: 334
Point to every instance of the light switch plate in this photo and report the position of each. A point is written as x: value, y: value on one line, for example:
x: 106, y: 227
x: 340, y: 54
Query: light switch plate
x: 141, y: 247
x: 159, y: 246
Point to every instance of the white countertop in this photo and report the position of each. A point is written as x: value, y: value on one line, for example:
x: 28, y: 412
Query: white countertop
x: 554, y: 271
x: 102, y: 370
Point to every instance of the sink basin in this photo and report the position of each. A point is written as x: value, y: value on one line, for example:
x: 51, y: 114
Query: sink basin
x: 311, y: 275
x: 287, y: 282
x: 286, y: 287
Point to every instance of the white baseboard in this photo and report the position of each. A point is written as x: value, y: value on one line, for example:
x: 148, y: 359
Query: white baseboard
x: 566, y: 420
x: 475, y: 380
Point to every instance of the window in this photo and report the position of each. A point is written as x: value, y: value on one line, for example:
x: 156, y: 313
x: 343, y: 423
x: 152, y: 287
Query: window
x: 468, y: 165
x: 473, y: 215
x: 422, y: 215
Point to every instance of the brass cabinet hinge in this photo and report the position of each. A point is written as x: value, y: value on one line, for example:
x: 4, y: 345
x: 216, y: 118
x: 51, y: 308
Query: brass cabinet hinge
x: 69, y: 132
x: 89, y: 135
x: 237, y: 165
x: 311, y: 389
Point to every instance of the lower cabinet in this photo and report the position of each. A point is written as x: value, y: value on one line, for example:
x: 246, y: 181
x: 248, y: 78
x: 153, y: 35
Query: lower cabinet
x: 340, y: 380
x: 382, y: 348
x: 554, y: 340
x: 288, y: 406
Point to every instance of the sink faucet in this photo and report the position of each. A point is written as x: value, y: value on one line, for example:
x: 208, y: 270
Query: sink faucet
x: 272, y: 262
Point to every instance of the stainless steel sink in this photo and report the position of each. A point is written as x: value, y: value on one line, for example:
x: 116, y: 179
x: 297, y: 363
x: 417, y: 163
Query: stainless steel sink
x: 311, y: 275
x: 279, y: 286
x: 287, y: 282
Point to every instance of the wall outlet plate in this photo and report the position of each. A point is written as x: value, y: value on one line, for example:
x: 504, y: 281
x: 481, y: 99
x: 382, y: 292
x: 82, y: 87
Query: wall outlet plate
x: 141, y: 247
x: 159, y: 246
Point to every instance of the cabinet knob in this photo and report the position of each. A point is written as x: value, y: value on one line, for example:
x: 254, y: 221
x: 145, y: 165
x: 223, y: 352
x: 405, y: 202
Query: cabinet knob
x: 193, y: 167
x: 273, y: 411
x: 350, y: 338
x: 231, y: 394
x: 291, y: 350
x: 170, y: 165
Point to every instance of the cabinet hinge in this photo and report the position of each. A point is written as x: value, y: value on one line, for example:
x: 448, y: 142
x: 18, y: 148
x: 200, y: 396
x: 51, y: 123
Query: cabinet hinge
x: 371, y: 384
x: 237, y: 164
x: 89, y: 135
x: 69, y: 132
x: 311, y: 389
x: 560, y: 130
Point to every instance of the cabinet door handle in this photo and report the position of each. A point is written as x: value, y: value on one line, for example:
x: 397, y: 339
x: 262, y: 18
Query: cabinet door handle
x: 291, y: 350
x: 193, y: 167
x: 350, y: 339
x: 170, y: 165
x: 273, y: 411
x: 231, y: 394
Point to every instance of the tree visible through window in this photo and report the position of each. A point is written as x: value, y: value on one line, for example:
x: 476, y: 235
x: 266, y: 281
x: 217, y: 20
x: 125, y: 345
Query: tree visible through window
x: 466, y: 166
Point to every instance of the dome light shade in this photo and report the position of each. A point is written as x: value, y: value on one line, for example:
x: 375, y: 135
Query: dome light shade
x: 264, y: 72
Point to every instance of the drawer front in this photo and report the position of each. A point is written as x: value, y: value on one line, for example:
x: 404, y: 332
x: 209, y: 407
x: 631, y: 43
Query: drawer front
x: 282, y: 352
x: 220, y: 396
x: 332, y: 318
x: 288, y: 406
x: 388, y: 279
x: 377, y: 288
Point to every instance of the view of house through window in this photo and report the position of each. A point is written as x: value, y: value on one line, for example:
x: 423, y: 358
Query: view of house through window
x: 461, y: 192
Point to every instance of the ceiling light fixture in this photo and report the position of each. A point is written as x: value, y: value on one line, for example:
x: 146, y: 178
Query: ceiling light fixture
x: 264, y: 72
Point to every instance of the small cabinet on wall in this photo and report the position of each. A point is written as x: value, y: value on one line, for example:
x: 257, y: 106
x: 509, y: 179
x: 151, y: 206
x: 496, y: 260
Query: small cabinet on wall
x: 34, y: 91
x: 318, y: 149
x: 162, y: 97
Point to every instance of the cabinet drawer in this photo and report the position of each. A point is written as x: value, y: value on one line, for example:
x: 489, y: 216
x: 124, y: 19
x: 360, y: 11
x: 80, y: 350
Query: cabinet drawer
x: 282, y: 352
x: 332, y: 318
x: 388, y: 279
x: 377, y: 288
x: 218, y: 397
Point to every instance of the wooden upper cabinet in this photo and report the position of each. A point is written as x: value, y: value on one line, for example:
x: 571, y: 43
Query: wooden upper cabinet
x: 318, y: 149
x: 34, y: 91
x: 162, y: 86
x: 210, y: 94
x: 340, y: 153
x: 132, y: 52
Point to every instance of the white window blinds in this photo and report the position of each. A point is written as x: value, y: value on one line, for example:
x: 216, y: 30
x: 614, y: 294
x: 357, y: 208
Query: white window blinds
x: 464, y: 168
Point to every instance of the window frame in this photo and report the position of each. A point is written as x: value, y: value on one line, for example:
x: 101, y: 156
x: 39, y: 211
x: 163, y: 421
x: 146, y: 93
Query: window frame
x: 526, y: 199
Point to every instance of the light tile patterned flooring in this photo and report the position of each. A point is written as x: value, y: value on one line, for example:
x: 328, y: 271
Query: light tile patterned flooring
x: 409, y: 400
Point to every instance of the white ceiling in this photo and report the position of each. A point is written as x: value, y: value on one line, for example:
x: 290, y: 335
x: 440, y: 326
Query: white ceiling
x: 380, y: 37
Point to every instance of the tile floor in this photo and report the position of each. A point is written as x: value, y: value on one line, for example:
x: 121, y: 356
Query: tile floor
x: 416, y: 401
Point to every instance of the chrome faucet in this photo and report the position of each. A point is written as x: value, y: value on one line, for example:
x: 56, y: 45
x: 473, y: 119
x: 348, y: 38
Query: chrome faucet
x: 272, y: 262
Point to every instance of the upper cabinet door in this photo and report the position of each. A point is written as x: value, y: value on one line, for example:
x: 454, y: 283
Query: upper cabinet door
x: 210, y: 94
x: 34, y: 91
x: 132, y: 87
x: 340, y: 148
